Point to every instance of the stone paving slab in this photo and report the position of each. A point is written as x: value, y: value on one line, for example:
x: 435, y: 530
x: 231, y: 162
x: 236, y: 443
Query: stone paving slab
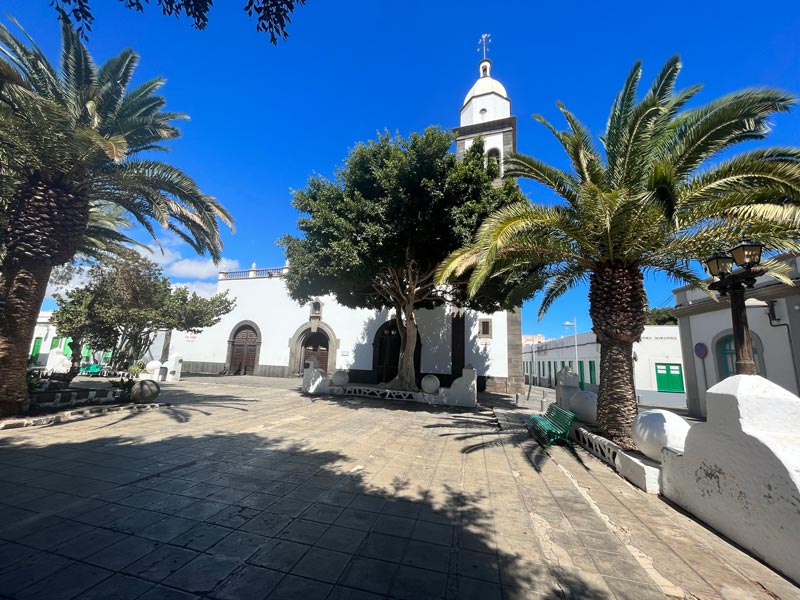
x: 243, y: 488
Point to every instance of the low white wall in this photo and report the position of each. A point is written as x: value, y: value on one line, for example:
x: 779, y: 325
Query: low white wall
x: 740, y: 471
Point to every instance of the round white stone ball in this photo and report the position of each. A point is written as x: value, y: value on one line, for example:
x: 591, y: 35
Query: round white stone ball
x: 430, y: 384
x: 655, y: 429
x: 340, y: 378
x: 145, y: 391
x: 584, y: 405
x: 152, y: 367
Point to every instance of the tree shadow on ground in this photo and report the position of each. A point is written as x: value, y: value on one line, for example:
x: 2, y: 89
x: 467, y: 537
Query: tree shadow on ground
x: 245, y: 515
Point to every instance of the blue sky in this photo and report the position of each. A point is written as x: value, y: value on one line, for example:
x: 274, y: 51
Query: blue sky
x: 264, y: 118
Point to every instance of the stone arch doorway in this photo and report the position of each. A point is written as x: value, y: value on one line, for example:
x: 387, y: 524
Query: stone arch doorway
x: 386, y: 352
x: 315, y: 344
x: 244, y: 348
x: 303, y: 337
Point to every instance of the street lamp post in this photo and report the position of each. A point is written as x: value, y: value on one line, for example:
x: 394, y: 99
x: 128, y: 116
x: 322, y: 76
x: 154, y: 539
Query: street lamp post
x: 574, y: 325
x: 746, y: 256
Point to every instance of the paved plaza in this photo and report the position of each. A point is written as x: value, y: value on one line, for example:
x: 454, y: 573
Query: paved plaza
x: 246, y: 489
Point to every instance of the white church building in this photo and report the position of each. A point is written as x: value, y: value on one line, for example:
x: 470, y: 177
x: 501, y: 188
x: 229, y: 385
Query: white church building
x: 270, y: 334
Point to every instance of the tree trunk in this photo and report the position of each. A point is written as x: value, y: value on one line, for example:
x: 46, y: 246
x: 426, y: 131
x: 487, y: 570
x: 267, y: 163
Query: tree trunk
x: 406, y: 371
x: 617, y: 305
x: 75, y: 365
x: 22, y: 286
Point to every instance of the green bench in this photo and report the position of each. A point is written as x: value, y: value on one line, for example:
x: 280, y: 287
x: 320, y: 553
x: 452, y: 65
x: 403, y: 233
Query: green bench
x: 91, y: 370
x: 553, y: 425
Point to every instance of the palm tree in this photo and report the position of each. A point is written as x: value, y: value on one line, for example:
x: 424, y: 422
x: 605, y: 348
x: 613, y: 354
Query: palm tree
x: 69, y: 144
x: 651, y: 201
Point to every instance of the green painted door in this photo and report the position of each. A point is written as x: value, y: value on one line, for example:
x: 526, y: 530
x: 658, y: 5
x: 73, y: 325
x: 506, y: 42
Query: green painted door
x: 580, y: 372
x: 669, y: 377
x: 592, y: 372
x: 37, y: 347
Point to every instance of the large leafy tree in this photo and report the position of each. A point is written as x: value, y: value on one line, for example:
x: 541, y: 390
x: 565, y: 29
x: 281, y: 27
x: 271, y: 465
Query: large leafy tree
x: 70, y: 146
x: 664, y: 190
x: 272, y: 16
x: 125, y: 302
x: 375, y: 234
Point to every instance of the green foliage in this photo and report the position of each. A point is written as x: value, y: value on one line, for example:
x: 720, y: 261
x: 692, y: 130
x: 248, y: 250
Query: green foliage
x: 78, y: 131
x: 272, y: 16
x: 135, y: 369
x: 660, y: 316
x: 375, y: 234
x: 126, y: 301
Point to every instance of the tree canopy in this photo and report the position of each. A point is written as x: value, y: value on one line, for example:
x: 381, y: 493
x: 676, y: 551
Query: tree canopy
x: 660, y: 316
x: 126, y: 301
x: 375, y: 234
x: 272, y: 16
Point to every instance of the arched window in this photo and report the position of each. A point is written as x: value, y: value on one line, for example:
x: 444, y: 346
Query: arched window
x: 493, y: 160
x: 726, y: 356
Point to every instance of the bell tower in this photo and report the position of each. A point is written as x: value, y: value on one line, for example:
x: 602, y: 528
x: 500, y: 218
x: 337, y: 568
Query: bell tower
x: 486, y: 112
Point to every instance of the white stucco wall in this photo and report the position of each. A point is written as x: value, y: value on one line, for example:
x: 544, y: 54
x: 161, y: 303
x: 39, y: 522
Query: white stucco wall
x: 740, y: 471
x: 495, y: 106
x: 266, y: 302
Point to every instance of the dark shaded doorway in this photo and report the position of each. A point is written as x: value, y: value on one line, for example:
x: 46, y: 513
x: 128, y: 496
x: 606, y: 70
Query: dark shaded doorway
x: 243, y: 355
x: 316, y: 344
x: 386, y: 352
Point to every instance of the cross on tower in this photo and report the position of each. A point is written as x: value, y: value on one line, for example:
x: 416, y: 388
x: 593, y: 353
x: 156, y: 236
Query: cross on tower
x: 483, y: 43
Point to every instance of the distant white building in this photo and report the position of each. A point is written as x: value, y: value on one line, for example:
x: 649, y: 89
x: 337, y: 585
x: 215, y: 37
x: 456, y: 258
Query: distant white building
x: 773, y: 313
x: 658, y: 371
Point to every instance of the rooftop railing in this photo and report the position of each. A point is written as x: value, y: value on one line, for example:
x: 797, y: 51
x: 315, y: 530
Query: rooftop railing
x: 254, y: 273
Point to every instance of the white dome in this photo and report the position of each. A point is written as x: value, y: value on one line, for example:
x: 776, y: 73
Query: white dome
x: 485, y: 84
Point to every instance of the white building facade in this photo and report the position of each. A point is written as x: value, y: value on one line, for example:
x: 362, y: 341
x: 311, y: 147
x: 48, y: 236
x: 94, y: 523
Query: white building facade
x: 658, y: 370
x: 773, y: 314
x: 269, y: 334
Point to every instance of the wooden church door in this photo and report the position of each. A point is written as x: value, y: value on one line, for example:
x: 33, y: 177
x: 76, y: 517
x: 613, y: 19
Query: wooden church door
x: 243, y: 357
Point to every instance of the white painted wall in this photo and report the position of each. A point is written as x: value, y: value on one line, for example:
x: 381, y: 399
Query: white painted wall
x: 495, y: 106
x: 740, y: 471
x: 778, y: 364
x: 266, y: 302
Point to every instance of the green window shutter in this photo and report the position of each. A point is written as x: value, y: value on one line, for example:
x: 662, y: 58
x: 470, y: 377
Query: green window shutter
x: 67, y: 349
x: 562, y: 364
x: 580, y: 372
x: 37, y: 347
x: 592, y: 372
x: 54, y: 344
x: 86, y: 351
x: 669, y: 377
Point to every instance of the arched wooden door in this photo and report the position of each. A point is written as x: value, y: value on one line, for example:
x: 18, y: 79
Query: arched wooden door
x: 243, y: 356
x: 316, y: 345
x: 386, y: 352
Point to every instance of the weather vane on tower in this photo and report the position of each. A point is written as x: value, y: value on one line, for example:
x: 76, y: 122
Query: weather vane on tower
x: 483, y: 43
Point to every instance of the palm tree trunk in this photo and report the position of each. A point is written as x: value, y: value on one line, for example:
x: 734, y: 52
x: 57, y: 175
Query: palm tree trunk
x: 617, y: 304
x: 22, y: 286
